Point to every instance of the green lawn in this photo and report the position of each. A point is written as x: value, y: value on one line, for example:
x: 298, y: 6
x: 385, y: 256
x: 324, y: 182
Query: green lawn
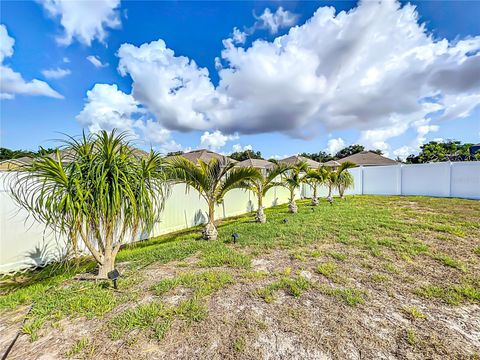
x: 367, y: 257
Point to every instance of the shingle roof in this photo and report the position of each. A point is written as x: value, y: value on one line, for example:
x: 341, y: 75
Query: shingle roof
x: 256, y: 163
x: 332, y: 163
x: 204, y: 155
x: 368, y: 158
x: 24, y: 160
x: 296, y: 159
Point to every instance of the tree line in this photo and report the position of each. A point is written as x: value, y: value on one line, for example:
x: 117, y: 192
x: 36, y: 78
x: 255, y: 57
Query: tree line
x: 6, y: 154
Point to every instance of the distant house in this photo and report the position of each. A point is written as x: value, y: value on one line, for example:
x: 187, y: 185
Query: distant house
x: 334, y: 164
x: 256, y: 163
x: 292, y: 160
x: 11, y: 164
x: 368, y: 158
x: 204, y: 155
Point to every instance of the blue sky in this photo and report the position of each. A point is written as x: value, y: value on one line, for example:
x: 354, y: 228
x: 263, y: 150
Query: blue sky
x: 338, y: 80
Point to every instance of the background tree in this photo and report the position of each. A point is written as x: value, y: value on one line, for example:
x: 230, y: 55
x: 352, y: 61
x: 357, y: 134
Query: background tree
x: 261, y: 184
x: 6, y: 154
x: 321, y: 156
x: 104, y: 197
x: 436, y: 151
x: 292, y: 181
x: 212, y: 180
x: 174, y: 153
x: 349, y: 150
x: 245, y: 155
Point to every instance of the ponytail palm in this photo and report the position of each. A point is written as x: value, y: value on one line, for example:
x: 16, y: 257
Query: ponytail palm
x: 292, y: 181
x: 261, y: 185
x: 105, y: 196
x: 212, y: 180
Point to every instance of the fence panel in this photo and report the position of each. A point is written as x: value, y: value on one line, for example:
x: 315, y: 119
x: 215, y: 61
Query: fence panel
x: 465, y: 179
x: 426, y: 179
x: 382, y: 180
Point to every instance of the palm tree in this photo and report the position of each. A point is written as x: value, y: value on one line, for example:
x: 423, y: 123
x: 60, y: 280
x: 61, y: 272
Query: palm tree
x: 292, y: 181
x: 212, y: 180
x: 261, y: 185
x: 106, y: 195
x: 340, y: 178
x: 316, y: 177
x: 344, y: 178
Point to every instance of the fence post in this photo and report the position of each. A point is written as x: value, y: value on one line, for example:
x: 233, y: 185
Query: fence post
x: 361, y: 177
x: 399, y: 179
x: 449, y: 179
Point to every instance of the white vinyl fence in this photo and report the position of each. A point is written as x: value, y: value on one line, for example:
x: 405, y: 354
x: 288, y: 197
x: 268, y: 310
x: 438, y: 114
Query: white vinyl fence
x: 25, y: 244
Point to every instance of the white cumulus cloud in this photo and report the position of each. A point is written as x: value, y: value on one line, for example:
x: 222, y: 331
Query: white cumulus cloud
x: 274, y: 21
x: 12, y: 82
x: 57, y: 73
x: 108, y: 108
x: 239, y: 37
x: 335, y: 145
x: 173, y: 88
x: 83, y: 20
x: 95, y: 60
x: 240, y: 148
x: 374, y: 68
x: 215, y: 140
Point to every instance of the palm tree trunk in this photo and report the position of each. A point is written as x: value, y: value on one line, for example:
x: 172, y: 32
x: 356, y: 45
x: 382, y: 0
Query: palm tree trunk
x: 107, y: 265
x: 260, y: 216
x: 292, y: 206
x: 210, y: 231
x: 314, y: 198
x: 108, y: 259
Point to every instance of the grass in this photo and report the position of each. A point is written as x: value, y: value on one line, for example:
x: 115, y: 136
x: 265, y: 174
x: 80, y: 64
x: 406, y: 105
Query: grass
x: 330, y: 271
x: 156, y: 318
x: 338, y: 256
x: 292, y: 286
x: 411, y: 337
x: 414, y: 312
x: 202, y: 283
x: 147, y: 316
x: 82, y: 345
x: 78, y: 300
x: 350, y: 296
x: 452, y: 295
x: 384, y: 240
x: 221, y: 255
x: 449, y: 261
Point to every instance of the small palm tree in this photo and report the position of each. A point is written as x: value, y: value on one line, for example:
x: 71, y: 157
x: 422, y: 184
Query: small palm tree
x: 315, y: 178
x: 340, y: 178
x: 344, y: 179
x: 261, y: 185
x: 106, y: 195
x: 292, y: 181
x: 212, y: 180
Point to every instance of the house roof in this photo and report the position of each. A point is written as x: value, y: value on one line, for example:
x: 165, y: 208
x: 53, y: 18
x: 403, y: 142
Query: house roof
x: 256, y: 163
x: 204, y: 155
x: 332, y: 163
x: 296, y: 159
x: 368, y: 158
x: 21, y: 161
